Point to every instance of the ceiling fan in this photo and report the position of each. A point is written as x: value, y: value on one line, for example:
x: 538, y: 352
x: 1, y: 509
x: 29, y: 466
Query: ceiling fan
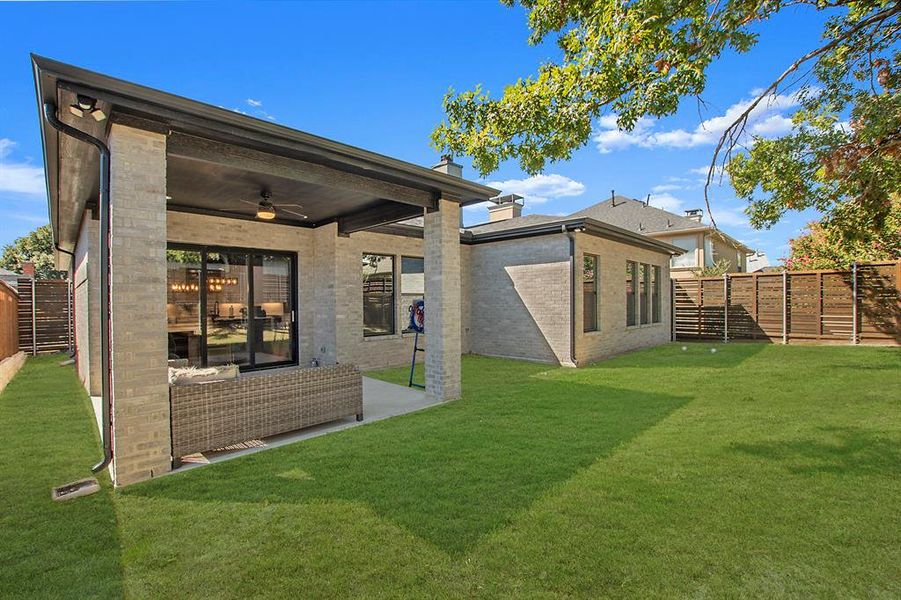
x: 266, y: 209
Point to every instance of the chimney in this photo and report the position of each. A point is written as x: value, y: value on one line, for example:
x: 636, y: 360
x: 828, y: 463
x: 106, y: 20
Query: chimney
x: 447, y: 166
x: 28, y: 269
x: 505, y: 208
x: 694, y: 214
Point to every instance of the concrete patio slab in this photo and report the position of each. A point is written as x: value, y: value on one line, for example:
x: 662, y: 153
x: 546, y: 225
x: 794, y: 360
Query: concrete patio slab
x: 381, y: 400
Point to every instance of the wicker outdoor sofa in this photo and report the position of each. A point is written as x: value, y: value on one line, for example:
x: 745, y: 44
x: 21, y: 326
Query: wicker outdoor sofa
x: 211, y: 415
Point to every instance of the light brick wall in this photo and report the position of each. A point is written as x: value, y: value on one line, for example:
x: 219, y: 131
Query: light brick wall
x: 520, y: 299
x: 86, y: 280
x: 383, y: 350
x: 330, y: 283
x: 141, y: 435
x: 442, y: 291
x: 188, y: 228
x: 613, y: 337
x: 466, y: 299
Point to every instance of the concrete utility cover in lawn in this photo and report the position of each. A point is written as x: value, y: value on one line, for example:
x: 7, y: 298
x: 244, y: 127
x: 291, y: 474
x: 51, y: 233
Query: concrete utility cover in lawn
x: 82, y: 487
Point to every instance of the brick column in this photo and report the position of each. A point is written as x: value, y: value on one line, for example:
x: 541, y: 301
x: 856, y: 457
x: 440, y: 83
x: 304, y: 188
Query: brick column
x: 141, y: 432
x: 325, y: 275
x: 442, y: 297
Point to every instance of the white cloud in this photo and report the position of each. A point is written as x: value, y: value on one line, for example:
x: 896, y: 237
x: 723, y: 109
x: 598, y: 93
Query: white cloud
x: 765, y: 120
x: 538, y: 189
x: 18, y: 177
x: 731, y: 218
x: 610, y: 137
x: 719, y: 174
x: 254, y: 103
x: 666, y: 187
x: 773, y: 126
x: 667, y: 202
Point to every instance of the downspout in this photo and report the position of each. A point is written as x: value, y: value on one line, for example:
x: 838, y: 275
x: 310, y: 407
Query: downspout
x: 105, y: 392
x: 572, y: 295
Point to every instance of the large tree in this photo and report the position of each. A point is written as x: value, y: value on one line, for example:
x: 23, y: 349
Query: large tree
x: 36, y: 247
x: 824, y: 245
x: 640, y: 58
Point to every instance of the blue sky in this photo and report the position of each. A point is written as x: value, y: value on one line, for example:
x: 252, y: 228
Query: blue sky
x: 373, y: 75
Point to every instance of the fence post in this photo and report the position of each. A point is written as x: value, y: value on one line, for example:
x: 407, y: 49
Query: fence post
x: 672, y: 311
x: 854, y: 302
x: 34, y: 329
x: 69, y: 313
x: 784, y: 307
x: 725, y: 307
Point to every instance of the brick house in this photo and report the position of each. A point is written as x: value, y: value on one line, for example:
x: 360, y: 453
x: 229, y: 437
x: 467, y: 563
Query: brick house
x: 232, y: 240
x: 702, y: 244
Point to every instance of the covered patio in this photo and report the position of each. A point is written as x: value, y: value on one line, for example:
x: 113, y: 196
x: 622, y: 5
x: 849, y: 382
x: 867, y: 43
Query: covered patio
x: 202, y: 235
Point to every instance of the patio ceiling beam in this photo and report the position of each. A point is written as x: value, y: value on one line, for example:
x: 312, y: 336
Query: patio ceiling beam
x: 374, y: 217
x: 199, y: 149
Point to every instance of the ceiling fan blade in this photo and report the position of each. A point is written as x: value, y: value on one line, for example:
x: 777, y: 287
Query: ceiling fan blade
x: 301, y: 215
x: 249, y: 202
x: 294, y: 205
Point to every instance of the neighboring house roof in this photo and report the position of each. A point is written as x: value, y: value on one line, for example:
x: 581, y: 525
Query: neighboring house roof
x: 637, y: 216
x: 532, y: 225
x: 11, y: 278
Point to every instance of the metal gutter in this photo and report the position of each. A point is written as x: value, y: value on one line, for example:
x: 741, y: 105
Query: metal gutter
x: 572, y: 296
x: 106, y: 398
x: 588, y: 225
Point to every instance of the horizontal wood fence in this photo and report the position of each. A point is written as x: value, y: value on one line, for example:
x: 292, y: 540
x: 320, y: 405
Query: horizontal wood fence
x: 45, y: 315
x: 9, y: 321
x: 859, y: 306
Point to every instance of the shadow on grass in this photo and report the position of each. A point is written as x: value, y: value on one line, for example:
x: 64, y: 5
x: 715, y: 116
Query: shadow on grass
x: 52, y: 549
x: 452, y: 474
x: 840, y: 451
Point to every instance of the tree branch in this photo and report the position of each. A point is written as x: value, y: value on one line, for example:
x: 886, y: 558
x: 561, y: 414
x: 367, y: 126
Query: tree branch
x: 735, y: 130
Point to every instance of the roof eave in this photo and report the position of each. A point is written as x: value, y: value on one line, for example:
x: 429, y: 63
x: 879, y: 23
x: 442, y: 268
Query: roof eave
x: 582, y: 224
x: 161, y: 104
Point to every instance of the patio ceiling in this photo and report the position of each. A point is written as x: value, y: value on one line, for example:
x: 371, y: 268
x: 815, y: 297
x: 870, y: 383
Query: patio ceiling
x: 219, y: 160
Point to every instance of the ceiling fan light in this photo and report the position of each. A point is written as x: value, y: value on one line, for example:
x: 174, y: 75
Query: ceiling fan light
x: 265, y: 211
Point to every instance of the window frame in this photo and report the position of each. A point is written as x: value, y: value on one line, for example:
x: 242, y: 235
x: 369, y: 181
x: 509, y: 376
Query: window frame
x: 205, y: 250
x: 633, y: 281
x: 656, y: 301
x: 393, y: 311
x: 406, y: 321
x: 597, y: 295
x: 644, y: 294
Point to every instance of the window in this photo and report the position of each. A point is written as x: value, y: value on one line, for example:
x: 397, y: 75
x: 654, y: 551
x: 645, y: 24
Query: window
x: 183, y: 306
x: 231, y: 306
x: 590, y: 278
x: 709, y: 258
x: 690, y: 245
x: 631, y: 288
x: 644, y: 290
x: 378, y: 294
x: 655, y: 294
x: 643, y: 301
x: 412, y: 285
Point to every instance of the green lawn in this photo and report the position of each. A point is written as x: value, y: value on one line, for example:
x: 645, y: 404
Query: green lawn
x: 763, y: 471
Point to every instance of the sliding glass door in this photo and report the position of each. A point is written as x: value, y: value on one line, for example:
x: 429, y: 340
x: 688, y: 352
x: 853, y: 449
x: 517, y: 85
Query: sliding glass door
x: 273, y: 314
x: 232, y: 306
x: 227, y: 328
